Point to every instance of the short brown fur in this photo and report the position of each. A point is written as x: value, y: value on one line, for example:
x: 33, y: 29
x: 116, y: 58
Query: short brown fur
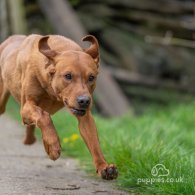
x: 46, y: 73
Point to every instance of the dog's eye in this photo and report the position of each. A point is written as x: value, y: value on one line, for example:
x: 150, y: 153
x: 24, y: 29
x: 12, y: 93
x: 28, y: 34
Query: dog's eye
x: 68, y: 76
x: 91, y: 78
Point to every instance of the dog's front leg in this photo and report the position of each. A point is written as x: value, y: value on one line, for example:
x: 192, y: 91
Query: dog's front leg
x: 32, y: 114
x: 88, y: 131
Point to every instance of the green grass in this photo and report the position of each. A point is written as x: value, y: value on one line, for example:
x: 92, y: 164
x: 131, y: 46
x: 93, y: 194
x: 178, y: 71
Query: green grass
x: 136, y: 144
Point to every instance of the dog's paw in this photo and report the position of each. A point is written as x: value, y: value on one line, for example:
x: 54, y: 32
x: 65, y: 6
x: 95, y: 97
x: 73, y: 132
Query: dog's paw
x: 109, y: 172
x: 53, y: 149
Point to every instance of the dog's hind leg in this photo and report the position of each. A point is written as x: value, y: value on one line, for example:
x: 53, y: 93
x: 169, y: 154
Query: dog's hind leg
x: 29, y: 137
x: 3, y: 100
x: 4, y: 96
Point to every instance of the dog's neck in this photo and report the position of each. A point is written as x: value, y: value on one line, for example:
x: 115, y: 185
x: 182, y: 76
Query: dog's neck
x: 51, y: 92
x: 45, y: 82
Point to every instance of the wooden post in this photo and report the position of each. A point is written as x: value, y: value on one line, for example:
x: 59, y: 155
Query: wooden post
x: 109, y: 95
x: 17, y: 19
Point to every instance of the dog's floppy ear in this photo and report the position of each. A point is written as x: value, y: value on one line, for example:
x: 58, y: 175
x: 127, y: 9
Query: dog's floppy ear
x: 93, y: 50
x: 45, y: 49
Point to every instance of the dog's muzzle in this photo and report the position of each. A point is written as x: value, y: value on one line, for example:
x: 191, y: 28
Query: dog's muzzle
x: 78, y: 112
x: 83, y: 103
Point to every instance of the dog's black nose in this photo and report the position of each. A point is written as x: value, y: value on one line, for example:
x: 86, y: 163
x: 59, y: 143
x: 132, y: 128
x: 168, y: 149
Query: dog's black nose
x: 83, y: 101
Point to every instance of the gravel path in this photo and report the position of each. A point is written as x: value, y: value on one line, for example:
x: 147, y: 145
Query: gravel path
x: 26, y: 170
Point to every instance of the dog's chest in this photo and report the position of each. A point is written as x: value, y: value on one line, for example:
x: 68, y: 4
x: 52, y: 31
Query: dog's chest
x: 50, y: 106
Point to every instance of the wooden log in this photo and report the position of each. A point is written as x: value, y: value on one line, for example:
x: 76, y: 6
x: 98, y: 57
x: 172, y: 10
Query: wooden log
x: 103, y: 11
x: 143, y: 30
x: 4, y: 28
x: 121, y: 46
x: 142, y: 95
x: 100, y: 15
x: 91, y: 22
x: 161, y: 6
x: 170, y: 41
x: 154, y: 19
x: 135, y: 79
x: 18, y: 22
x: 96, y: 9
x: 109, y: 95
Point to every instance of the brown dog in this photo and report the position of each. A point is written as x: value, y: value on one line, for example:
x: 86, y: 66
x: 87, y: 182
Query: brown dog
x: 44, y: 73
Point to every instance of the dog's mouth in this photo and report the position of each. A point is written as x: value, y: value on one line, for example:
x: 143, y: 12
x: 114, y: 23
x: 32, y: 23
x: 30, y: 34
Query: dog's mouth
x: 75, y: 111
x: 78, y: 112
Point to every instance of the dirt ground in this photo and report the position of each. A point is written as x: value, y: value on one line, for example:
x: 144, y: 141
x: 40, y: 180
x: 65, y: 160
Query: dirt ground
x: 26, y: 170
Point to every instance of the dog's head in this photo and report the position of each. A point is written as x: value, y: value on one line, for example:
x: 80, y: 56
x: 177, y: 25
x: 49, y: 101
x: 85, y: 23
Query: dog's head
x: 72, y: 74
